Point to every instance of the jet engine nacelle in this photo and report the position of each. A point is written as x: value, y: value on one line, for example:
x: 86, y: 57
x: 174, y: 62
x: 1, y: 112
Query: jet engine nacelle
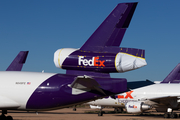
x: 136, y: 107
x: 95, y: 107
x: 74, y: 59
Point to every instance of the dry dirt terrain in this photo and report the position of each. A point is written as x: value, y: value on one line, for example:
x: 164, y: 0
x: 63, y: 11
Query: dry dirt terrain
x: 83, y: 114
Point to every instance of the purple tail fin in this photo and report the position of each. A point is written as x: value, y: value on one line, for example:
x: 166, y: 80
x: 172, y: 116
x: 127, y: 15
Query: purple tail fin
x: 112, y: 29
x: 18, y: 62
x: 174, y: 76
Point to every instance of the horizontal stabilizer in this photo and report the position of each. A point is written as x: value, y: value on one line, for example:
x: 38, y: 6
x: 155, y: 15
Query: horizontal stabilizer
x: 138, y: 84
x: 86, y: 83
x: 18, y: 62
x: 174, y: 76
x: 112, y: 29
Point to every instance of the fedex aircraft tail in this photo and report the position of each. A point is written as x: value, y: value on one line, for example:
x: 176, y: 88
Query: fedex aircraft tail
x: 101, y: 52
x: 174, y: 76
x: 112, y: 29
x: 18, y: 62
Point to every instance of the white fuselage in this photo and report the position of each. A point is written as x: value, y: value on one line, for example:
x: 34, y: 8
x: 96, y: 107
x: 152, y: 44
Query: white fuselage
x: 154, y: 91
x: 17, y: 87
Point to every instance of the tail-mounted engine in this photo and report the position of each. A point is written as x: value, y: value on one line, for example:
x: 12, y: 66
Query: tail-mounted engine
x: 74, y: 59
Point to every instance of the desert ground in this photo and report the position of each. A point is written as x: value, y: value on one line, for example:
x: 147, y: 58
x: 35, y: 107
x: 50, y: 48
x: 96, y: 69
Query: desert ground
x: 84, y: 114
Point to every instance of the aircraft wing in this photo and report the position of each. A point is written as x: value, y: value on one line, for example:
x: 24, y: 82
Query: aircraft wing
x: 166, y: 100
x: 138, y: 84
x: 86, y: 83
x: 18, y: 62
x: 112, y: 29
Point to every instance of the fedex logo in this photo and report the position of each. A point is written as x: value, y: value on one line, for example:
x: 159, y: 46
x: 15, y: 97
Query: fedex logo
x: 133, y: 106
x: 92, y: 62
x: 128, y: 95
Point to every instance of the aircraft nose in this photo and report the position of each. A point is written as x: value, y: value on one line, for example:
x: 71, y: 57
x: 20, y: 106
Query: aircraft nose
x: 126, y: 62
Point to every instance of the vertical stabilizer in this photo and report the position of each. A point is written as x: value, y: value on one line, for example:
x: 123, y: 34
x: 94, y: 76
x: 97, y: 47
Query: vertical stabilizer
x: 112, y: 29
x: 174, y: 76
x: 18, y: 62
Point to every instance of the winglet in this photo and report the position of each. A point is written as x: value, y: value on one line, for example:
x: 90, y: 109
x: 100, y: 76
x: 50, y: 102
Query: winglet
x: 174, y: 76
x: 18, y: 62
x: 112, y: 29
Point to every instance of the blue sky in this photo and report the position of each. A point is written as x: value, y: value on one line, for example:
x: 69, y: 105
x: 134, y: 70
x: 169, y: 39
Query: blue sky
x: 43, y: 26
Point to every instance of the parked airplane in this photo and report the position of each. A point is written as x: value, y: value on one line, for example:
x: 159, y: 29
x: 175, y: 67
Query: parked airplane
x: 101, y: 52
x: 87, y: 77
x: 163, y: 97
x: 47, y: 91
x: 16, y: 65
